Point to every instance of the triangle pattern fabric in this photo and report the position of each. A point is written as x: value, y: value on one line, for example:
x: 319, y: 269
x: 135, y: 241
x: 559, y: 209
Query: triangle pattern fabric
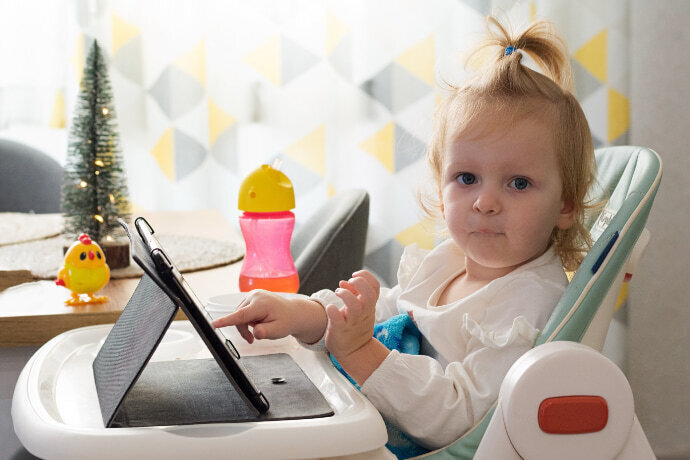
x: 381, y: 146
x: 266, y: 60
x: 122, y: 31
x: 335, y: 31
x: 58, y: 118
x: 618, y: 114
x: 585, y: 82
x: 224, y: 149
x: 419, y: 60
x: 340, y: 58
x: 408, y: 149
x: 163, y: 153
x: 218, y: 121
x: 592, y: 55
x: 303, y: 179
x: 194, y: 63
x: 396, y: 88
x: 310, y: 151
x: 176, y: 91
x: 128, y: 60
x: 295, y: 60
x: 421, y: 233
x: 189, y: 154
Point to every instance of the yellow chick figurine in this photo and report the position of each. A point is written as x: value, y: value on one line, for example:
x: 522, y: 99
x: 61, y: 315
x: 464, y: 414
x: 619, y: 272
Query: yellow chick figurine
x: 84, y: 271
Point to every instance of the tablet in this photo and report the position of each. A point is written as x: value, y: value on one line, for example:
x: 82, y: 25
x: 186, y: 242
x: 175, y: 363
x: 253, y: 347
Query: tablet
x: 222, y: 348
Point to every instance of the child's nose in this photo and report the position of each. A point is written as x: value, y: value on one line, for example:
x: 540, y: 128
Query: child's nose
x: 487, y: 202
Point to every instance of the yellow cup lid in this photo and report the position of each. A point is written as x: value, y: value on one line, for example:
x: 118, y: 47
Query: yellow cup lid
x: 266, y: 189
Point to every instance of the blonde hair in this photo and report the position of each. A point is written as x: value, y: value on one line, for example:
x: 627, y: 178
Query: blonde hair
x: 511, y: 90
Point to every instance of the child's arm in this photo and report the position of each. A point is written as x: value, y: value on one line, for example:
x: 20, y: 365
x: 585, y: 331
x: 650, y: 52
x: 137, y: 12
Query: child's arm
x: 349, y: 336
x: 272, y: 317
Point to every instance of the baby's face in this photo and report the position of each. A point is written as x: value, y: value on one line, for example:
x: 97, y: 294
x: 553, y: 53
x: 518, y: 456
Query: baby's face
x: 501, y: 195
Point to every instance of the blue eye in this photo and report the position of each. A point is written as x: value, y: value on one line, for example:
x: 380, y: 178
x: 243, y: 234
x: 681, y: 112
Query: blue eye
x: 466, y: 179
x: 520, y: 183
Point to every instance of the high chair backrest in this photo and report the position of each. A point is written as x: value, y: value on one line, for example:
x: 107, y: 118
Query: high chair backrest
x: 628, y: 179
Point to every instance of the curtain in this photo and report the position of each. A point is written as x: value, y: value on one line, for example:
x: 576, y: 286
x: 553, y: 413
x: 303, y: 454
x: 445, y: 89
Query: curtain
x: 342, y: 92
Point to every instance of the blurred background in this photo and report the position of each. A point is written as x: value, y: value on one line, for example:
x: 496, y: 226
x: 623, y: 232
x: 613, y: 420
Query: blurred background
x: 343, y: 93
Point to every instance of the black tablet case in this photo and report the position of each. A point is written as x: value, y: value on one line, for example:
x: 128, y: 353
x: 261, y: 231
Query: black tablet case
x: 133, y: 392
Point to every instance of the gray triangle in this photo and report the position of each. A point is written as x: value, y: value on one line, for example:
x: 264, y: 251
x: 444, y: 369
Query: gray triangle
x: 128, y: 60
x: 481, y: 6
x: 380, y: 87
x: 224, y: 149
x: 384, y: 261
x: 623, y: 139
x: 160, y: 91
x: 189, y: 154
x: 303, y: 179
x: 585, y: 82
x: 597, y: 142
x: 341, y: 58
x: 186, y: 89
x: 295, y: 60
x: 407, y: 88
x: 408, y: 149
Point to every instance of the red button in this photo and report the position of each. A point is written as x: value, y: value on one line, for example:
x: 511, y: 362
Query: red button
x: 573, y: 414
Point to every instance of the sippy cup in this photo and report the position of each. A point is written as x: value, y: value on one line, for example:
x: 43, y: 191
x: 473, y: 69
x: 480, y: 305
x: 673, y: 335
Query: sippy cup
x: 266, y: 197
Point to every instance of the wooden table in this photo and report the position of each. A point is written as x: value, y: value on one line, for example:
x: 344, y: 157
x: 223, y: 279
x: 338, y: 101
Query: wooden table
x: 33, y: 313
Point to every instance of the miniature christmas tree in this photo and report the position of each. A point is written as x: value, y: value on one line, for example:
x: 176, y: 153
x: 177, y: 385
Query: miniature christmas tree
x: 94, y: 191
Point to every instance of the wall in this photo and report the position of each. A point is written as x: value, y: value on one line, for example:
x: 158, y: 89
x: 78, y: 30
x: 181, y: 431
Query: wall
x: 659, y: 340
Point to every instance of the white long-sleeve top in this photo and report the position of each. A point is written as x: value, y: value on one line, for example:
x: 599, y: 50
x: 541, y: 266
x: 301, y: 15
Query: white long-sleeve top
x: 467, y: 346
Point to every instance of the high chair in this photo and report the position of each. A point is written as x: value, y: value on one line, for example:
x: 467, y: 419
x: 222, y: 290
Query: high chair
x: 560, y: 400
x: 565, y: 400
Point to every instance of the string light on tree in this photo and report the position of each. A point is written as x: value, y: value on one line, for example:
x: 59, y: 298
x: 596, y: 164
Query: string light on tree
x: 94, y: 160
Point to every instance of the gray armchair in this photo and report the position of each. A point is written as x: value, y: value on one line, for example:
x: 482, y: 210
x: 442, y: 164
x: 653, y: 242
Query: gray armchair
x: 30, y: 180
x: 329, y: 246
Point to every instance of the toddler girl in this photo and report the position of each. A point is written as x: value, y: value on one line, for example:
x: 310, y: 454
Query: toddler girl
x: 512, y: 159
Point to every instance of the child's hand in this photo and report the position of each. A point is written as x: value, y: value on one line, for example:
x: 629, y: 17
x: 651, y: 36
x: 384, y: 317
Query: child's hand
x: 272, y: 317
x: 352, y: 327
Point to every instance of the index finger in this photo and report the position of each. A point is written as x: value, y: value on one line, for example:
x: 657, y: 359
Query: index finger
x: 241, y: 316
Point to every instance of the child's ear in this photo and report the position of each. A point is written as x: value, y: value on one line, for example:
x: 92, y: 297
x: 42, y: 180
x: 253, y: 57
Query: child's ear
x: 566, y: 218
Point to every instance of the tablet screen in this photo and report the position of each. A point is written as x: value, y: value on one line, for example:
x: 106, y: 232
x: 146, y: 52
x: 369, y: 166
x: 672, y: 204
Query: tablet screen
x: 220, y: 346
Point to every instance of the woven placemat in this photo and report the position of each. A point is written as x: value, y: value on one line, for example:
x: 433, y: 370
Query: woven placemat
x: 20, y: 227
x: 43, y: 258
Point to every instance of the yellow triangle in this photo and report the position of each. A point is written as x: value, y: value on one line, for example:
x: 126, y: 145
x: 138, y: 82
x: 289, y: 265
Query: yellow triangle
x: 123, y: 32
x: 218, y: 121
x: 420, y: 233
x: 266, y: 59
x: 330, y: 190
x: 622, y: 296
x: 619, y: 114
x: 593, y: 55
x: 381, y: 146
x: 310, y: 151
x: 419, y: 60
x: 57, y: 118
x: 532, y: 12
x: 77, y: 58
x: 194, y: 62
x: 335, y: 31
x: 163, y: 152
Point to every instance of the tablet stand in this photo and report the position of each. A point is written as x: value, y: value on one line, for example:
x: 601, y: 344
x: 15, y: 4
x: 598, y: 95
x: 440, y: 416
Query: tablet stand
x: 133, y: 392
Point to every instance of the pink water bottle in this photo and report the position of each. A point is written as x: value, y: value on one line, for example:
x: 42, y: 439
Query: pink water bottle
x: 266, y: 197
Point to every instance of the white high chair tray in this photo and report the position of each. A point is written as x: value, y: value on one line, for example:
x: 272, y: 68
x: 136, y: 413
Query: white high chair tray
x: 56, y: 413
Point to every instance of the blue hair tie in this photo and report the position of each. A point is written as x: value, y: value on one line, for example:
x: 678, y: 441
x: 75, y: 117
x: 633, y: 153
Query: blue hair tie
x: 509, y: 50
